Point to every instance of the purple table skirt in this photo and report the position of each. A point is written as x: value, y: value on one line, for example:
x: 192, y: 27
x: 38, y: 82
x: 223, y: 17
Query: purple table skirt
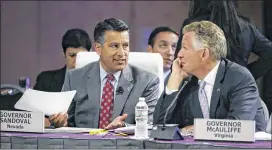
x: 187, y: 140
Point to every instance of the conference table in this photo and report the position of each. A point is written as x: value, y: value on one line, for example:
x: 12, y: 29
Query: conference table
x: 19, y: 140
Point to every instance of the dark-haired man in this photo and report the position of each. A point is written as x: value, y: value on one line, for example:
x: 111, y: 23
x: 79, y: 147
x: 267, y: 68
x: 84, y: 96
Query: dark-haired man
x: 163, y: 40
x: 99, y: 102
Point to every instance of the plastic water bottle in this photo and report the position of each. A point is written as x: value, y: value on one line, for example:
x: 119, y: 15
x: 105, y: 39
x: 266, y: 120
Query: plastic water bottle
x: 141, y: 118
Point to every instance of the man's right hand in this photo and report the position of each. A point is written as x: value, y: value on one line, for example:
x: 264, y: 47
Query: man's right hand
x: 176, y: 76
x: 59, y: 120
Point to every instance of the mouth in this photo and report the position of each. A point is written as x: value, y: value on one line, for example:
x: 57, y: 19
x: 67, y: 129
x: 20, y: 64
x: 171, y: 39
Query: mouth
x: 119, y: 61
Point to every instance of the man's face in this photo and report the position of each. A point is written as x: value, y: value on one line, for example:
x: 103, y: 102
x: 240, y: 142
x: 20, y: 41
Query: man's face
x: 165, y: 43
x: 114, y: 51
x: 70, y: 56
x: 190, y: 58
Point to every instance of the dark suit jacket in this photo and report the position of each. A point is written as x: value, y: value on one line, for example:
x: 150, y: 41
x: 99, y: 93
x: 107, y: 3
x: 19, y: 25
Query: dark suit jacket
x: 50, y: 81
x: 267, y: 90
x: 235, y: 96
x: 85, y: 107
x: 254, y: 41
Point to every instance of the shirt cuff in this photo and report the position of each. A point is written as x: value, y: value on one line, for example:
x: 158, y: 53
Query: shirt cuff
x: 169, y: 92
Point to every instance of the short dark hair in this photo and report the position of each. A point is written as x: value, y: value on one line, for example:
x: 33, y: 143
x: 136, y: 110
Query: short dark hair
x: 156, y: 31
x: 106, y: 25
x: 76, y: 38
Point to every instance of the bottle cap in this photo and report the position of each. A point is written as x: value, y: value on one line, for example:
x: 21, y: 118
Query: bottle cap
x: 141, y: 99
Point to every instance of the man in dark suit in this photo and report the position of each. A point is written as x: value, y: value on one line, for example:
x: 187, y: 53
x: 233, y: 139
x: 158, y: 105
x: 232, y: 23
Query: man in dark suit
x: 109, y: 89
x: 219, y: 88
x: 73, y: 41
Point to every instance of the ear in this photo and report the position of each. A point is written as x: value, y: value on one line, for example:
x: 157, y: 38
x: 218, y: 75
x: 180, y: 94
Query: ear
x: 64, y: 54
x: 97, y: 48
x: 149, y: 49
x: 205, y: 54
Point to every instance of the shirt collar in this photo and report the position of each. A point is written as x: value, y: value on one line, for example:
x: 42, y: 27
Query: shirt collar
x: 166, y: 73
x: 103, y: 74
x: 210, y: 77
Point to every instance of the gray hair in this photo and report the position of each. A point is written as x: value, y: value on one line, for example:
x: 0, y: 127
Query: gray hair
x: 208, y: 35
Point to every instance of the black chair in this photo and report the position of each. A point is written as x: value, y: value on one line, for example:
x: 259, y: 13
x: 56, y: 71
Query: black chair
x: 10, y: 94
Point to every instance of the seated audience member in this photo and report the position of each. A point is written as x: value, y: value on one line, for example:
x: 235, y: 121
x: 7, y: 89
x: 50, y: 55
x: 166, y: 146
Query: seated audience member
x: 163, y: 40
x: 109, y: 89
x: 73, y: 41
x: 218, y: 89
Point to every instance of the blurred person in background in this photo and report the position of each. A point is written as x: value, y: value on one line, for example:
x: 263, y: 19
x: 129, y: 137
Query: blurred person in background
x: 73, y: 41
x: 163, y: 40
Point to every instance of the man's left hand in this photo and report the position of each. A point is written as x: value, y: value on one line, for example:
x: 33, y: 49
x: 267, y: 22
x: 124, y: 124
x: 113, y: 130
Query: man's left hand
x: 117, y: 122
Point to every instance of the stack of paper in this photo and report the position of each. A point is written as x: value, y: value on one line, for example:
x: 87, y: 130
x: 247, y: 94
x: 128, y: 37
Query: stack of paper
x: 47, y: 102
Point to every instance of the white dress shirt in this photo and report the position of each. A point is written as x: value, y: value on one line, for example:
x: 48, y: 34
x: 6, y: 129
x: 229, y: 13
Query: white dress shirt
x: 209, y: 79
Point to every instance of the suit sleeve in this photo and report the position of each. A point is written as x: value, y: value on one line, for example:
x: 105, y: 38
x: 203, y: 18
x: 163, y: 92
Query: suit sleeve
x: 263, y: 48
x: 244, y: 99
x: 160, y: 109
x: 71, y: 109
x: 151, y: 94
x: 39, y: 83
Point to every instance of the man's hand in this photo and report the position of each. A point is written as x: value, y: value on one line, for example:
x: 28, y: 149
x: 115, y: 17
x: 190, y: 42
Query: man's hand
x: 117, y: 122
x: 177, y: 75
x: 188, y: 130
x: 60, y: 119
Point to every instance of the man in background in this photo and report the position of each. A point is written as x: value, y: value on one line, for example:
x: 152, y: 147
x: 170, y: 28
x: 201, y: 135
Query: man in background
x: 73, y: 41
x: 163, y: 40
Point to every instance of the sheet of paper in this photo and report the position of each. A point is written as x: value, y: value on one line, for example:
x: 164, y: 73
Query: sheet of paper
x: 70, y: 130
x: 129, y: 129
x: 263, y: 136
x: 47, y: 102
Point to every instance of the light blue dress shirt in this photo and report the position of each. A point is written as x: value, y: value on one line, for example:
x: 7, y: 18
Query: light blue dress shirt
x: 103, y: 79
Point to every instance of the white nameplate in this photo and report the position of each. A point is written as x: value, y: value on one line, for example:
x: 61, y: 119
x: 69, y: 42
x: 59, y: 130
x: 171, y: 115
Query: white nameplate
x: 224, y: 130
x: 22, y: 121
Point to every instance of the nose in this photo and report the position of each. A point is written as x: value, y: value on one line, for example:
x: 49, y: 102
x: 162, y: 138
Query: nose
x: 180, y: 54
x: 170, y: 51
x: 121, y: 51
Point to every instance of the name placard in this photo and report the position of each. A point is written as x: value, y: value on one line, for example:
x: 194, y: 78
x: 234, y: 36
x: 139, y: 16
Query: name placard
x: 224, y: 130
x: 22, y: 121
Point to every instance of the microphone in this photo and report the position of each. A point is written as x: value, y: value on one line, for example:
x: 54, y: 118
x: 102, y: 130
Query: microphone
x: 173, y: 102
x: 119, y: 90
x: 171, y: 131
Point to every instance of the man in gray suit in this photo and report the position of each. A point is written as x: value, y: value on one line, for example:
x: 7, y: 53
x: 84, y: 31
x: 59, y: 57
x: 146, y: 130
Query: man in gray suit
x: 109, y: 89
x: 218, y: 89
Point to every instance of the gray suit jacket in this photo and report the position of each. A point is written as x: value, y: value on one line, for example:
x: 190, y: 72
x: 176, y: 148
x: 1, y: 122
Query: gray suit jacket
x: 235, y: 96
x: 84, y: 109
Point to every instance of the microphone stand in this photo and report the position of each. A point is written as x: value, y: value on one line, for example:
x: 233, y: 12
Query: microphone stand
x: 171, y: 131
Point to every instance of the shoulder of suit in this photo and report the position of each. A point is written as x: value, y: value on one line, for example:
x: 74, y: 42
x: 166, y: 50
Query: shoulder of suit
x: 83, y: 69
x: 50, y: 72
x: 140, y: 72
x: 237, y: 71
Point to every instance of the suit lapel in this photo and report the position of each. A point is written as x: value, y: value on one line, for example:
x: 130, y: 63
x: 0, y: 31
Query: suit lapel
x: 126, y: 82
x: 94, y: 91
x: 217, y: 88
